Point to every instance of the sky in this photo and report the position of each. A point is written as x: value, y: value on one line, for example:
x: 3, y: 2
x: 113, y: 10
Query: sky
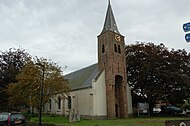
x: 66, y: 31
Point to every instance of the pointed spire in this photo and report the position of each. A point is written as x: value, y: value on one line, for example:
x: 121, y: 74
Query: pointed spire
x: 109, y: 3
x: 110, y: 23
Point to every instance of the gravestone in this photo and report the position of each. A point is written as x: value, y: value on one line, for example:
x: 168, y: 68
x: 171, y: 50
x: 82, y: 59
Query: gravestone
x: 73, y: 115
x: 177, y: 123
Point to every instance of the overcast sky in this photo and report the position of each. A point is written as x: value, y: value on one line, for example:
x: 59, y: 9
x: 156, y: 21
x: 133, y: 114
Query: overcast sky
x: 66, y: 30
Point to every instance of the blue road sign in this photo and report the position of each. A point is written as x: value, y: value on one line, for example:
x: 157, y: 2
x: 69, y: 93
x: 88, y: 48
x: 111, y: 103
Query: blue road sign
x: 186, y: 27
x: 187, y: 37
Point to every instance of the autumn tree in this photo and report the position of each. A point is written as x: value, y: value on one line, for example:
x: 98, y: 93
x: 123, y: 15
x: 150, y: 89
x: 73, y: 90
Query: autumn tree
x: 26, y: 91
x: 11, y: 63
x: 155, y: 72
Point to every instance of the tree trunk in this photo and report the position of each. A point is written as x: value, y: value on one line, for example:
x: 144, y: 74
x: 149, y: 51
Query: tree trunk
x: 151, y: 106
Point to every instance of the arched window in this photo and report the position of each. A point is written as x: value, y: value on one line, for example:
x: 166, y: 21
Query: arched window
x: 59, y: 102
x: 115, y: 48
x: 119, y: 49
x: 69, y: 102
x: 103, y: 48
x: 50, y: 104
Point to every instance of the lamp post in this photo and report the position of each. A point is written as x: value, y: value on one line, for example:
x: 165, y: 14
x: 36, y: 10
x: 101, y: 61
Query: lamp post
x: 41, y: 91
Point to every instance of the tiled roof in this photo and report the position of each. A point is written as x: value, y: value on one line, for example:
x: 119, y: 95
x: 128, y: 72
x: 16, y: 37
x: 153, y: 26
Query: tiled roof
x: 83, y: 78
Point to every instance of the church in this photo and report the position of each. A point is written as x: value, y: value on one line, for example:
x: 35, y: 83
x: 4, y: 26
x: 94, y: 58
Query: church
x: 99, y: 91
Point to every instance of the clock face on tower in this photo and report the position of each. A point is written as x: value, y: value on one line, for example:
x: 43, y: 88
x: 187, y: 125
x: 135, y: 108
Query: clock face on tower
x: 117, y: 38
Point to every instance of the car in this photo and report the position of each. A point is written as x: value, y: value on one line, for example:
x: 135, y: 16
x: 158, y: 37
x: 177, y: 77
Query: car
x: 12, y: 119
x: 170, y: 109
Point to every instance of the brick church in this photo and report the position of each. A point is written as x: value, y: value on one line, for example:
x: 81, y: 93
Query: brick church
x: 99, y: 90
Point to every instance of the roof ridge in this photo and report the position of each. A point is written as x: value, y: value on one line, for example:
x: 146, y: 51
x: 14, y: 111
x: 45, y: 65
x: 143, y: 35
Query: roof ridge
x: 81, y: 69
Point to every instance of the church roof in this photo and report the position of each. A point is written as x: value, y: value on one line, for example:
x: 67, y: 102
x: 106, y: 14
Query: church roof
x: 83, y: 78
x: 110, y: 23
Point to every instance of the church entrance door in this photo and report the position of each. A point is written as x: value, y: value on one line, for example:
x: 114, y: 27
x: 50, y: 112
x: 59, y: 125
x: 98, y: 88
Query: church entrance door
x: 118, y: 96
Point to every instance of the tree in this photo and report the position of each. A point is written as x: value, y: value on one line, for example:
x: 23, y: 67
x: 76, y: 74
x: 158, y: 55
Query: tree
x: 11, y: 62
x: 156, y: 73
x: 29, y: 84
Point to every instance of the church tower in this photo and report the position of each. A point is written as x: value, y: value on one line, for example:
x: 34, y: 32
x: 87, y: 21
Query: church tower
x: 111, y: 58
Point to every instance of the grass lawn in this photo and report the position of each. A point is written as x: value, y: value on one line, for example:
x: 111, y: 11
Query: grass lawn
x: 143, y: 121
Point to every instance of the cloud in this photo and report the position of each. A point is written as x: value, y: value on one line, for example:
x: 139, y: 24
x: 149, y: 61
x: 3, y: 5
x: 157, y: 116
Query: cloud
x: 66, y: 31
